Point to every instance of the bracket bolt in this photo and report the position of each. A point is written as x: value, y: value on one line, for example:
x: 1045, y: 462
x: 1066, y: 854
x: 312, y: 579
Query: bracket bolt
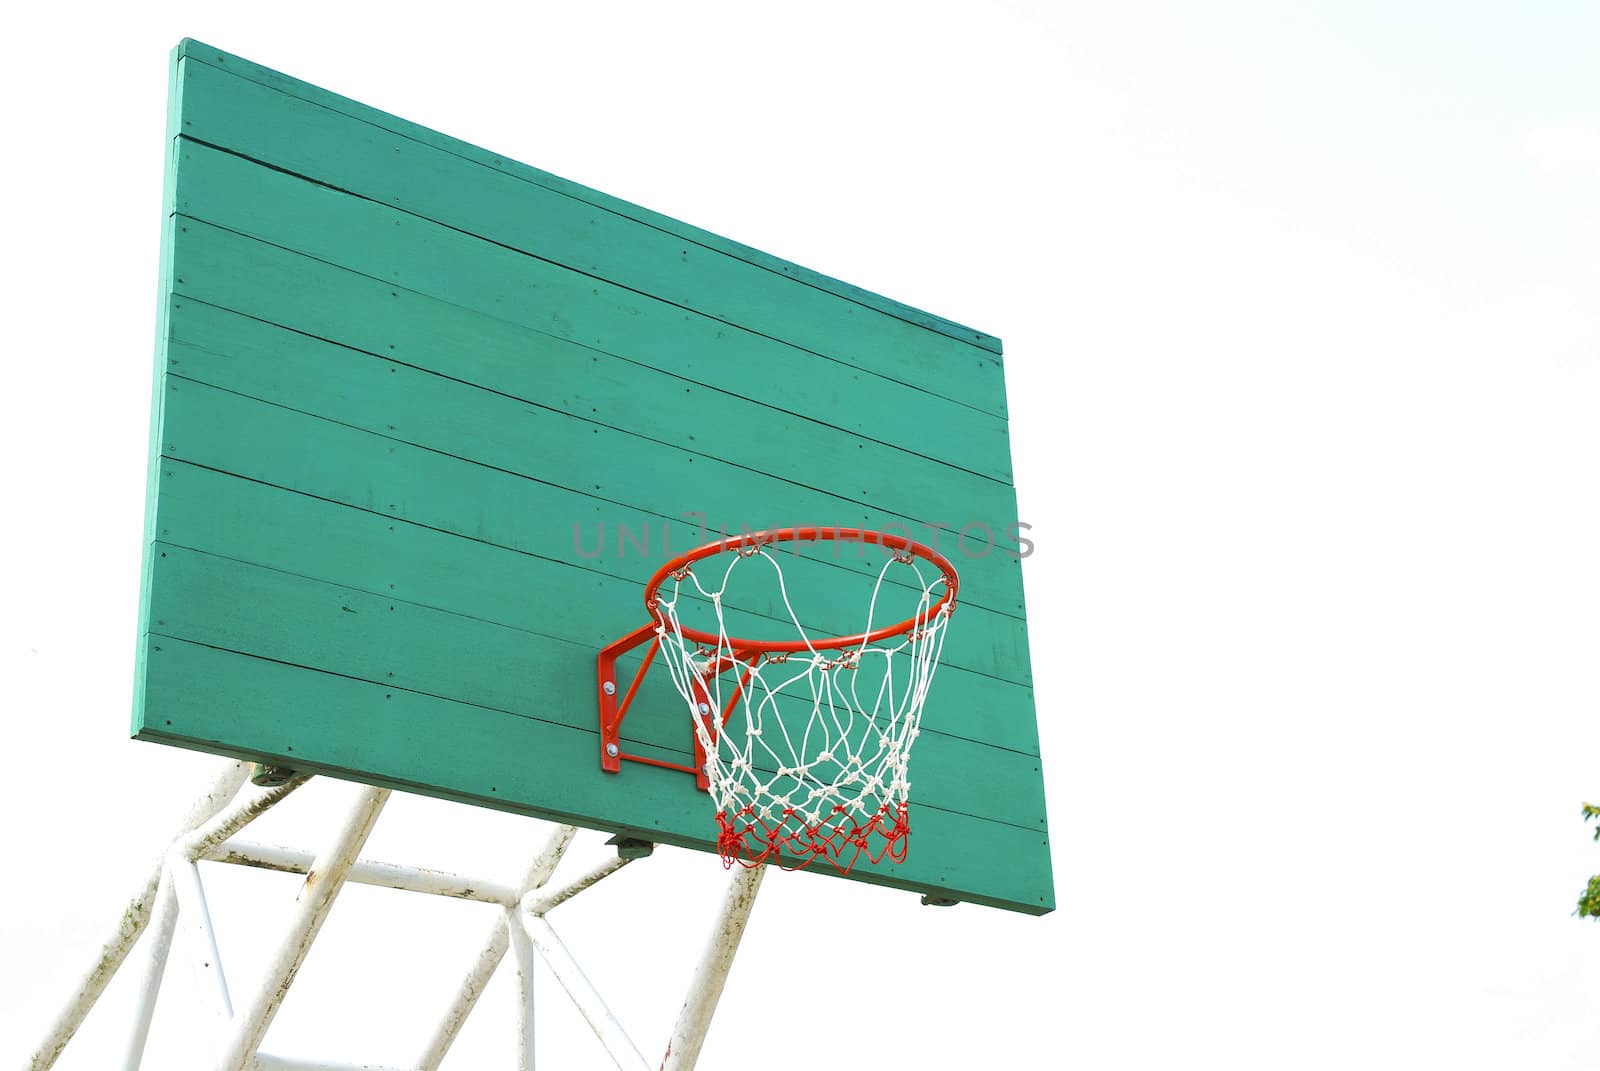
x: 609, y: 687
x: 705, y: 709
x: 612, y: 750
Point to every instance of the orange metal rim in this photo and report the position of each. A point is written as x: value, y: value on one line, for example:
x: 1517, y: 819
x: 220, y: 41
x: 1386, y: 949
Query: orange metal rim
x: 747, y: 542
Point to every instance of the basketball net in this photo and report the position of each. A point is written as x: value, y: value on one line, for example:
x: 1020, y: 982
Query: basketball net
x: 807, y: 751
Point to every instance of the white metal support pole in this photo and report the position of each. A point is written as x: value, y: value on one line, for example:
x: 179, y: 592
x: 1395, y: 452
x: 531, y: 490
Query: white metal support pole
x: 205, y: 958
x: 525, y: 963
x: 539, y: 905
x: 695, y: 1018
x: 472, y: 986
x: 494, y: 950
x: 368, y: 872
x: 115, y: 949
x: 530, y: 932
x: 588, y: 1002
x: 163, y: 921
x: 267, y: 1062
x: 176, y: 895
x: 321, y: 886
x: 537, y: 877
x: 183, y: 870
x: 544, y: 864
x: 224, y: 824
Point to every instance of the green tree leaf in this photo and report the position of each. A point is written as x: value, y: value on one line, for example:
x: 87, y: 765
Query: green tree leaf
x: 1589, y: 902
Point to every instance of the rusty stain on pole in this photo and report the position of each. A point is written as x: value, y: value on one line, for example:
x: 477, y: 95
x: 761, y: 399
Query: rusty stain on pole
x: 368, y: 872
x: 538, y: 905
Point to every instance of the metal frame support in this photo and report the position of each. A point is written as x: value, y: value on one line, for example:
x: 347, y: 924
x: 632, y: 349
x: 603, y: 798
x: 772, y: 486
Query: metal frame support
x: 523, y: 948
x: 583, y: 994
x: 706, y: 989
x: 163, y: 921
x: 323, y: 882
x: 613, y: 710
x: 494, y: 950
x: 132, y: 923
x: 174, y: 895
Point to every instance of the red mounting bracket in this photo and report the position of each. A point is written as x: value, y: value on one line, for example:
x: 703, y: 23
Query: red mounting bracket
x: 612, y: 710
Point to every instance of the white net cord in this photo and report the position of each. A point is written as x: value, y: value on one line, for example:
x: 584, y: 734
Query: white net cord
x: 806, y: 752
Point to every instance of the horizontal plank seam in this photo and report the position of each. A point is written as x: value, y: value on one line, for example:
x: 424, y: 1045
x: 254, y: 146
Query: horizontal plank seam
x: 154, y: 634
x: 890, y: 879
x: 652, y: 369
x: 1006, y: 482
x: 168, y: 458
x: 718, y: 244
x: 910, y: 385
x: 521, y: 475
x: 506, y: 472
x: 583, y: 653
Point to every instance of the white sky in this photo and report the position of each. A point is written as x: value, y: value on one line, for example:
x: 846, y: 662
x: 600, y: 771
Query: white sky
x: 1304, y: 359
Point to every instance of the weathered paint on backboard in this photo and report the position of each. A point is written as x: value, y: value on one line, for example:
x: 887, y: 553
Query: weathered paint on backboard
x: 403, y: 386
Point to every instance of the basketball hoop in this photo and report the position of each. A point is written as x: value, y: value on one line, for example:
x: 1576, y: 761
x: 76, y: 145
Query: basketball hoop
x: 801, y: 761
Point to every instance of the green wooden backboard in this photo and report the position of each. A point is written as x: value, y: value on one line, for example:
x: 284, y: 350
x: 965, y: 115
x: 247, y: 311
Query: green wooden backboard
x: 415, y: 407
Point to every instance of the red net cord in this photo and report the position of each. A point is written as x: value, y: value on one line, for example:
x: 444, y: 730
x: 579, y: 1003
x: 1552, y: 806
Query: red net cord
x: 750, y: 839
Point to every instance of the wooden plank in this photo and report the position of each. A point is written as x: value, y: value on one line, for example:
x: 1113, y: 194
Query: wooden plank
x: 380, y: 555
x: 448, y: 490
x: 332, y: 148
x: 994, y: 580
x: 159, y: 369
x: 302, y: 534
x: 399, y: 249
x: 421, y: 409
x: 271, y: 285
x: 232, y: 605
x: 413, y: 256
x: 236, y: 705
x: 412, y: 131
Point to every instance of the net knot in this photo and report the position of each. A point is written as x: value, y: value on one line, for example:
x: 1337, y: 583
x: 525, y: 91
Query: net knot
x: 804, y: 763
x: 846, y: 660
